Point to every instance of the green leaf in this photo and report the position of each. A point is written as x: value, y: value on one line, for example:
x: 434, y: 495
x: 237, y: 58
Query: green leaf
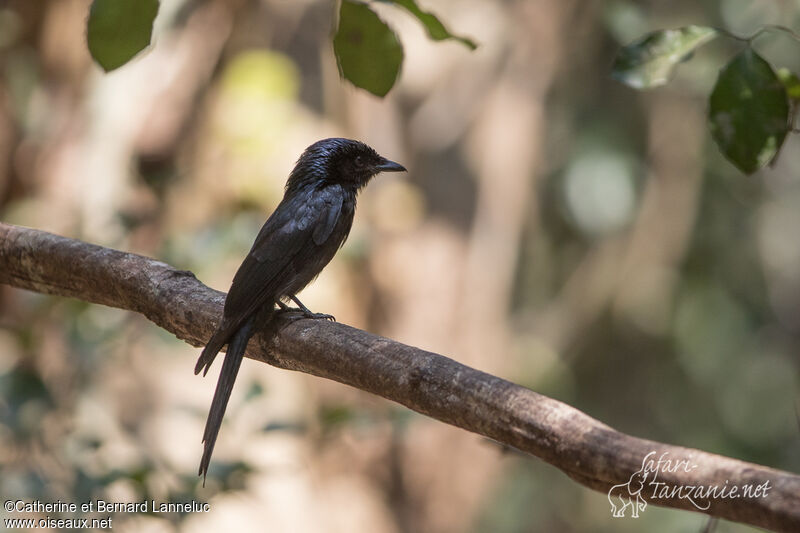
x: 650, y: 61
x: 367, y: 50
x: 433, y: 25
x: 749, y: 111
x: 117, y: 30
x: 791, y: 82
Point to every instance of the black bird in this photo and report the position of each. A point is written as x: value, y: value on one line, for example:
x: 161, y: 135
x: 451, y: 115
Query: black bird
x: 296, y: 242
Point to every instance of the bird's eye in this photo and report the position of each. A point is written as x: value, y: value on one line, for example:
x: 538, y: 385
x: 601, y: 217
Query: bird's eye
x: 359, y: 161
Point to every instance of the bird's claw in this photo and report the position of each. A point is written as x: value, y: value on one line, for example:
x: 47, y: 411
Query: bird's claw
x: 295, y: 313
x: 303, y: 311
x: 320, y: 316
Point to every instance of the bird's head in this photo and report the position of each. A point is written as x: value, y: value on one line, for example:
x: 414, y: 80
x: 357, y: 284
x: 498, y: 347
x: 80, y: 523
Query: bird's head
x: 344, y: 161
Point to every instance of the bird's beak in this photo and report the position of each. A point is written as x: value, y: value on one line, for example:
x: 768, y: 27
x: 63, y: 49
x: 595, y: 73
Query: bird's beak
x: 390, y: 166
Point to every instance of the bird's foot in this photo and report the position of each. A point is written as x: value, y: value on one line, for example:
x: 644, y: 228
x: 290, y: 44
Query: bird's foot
x: 316, y: 316
x: 301, y: 311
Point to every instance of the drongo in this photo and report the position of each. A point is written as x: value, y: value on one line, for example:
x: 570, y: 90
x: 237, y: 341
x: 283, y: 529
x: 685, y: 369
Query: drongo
x: 296, y: 242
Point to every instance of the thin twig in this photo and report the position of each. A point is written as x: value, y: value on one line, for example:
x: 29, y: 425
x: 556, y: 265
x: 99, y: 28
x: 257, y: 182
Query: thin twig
x: 766, y: 28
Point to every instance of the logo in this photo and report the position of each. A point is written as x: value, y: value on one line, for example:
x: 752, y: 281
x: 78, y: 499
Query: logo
x: 627, y: 495
x: 644, y: 483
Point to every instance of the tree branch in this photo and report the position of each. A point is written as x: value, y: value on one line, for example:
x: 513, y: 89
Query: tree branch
x: 588, y: 451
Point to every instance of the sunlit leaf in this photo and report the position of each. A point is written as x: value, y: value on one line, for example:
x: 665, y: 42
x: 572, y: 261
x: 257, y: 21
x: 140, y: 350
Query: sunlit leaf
x: 367, y: 50
x: 436, y: 30
x: 650, y: 61
x: 117, y: 30
x: 749, y: 111
x: 791, y: 82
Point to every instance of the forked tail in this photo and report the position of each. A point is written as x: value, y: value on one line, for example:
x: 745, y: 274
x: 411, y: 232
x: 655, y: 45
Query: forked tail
x: 227, y: 377
x: 215, y: 344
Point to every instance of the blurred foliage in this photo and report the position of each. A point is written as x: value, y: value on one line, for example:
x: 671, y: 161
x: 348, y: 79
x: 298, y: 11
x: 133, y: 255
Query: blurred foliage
x: 791, y: 82
x: 436, y: 30
x: 367, y: 51
x: 117, y: 30
x: 749, y: 112
x: 650, y: 61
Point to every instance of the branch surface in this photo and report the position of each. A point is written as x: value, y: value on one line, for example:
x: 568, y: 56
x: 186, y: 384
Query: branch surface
x: 587, y: 450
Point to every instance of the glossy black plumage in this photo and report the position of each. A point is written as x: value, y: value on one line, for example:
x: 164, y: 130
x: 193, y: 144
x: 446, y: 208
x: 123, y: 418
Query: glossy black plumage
x: 300, y: 237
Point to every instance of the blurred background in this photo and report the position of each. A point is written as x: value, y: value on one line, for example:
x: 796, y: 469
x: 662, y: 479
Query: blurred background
x: 555, y: 228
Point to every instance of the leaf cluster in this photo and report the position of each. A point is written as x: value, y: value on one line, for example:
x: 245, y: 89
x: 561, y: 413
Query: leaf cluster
x: 368, y: 52
x: 751, y: 107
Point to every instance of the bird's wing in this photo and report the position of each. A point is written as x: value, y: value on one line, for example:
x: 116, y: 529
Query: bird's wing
x: 288, y: 241
x: 327, y: 222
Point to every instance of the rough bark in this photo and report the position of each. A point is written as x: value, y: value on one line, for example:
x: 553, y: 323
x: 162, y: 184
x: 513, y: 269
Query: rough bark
x: 587, y: 450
